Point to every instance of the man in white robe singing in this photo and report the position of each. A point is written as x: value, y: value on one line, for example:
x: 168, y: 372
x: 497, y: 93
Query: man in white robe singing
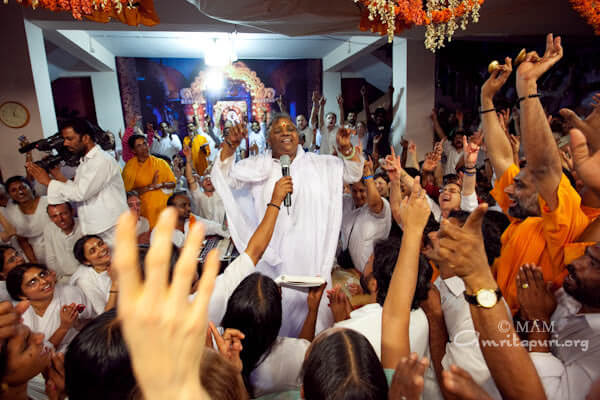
x: 306, y: 233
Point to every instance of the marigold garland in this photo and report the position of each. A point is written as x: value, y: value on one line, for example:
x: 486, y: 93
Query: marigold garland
x: 590, y: 11
x: 130, y: 12
x: 441, y: 17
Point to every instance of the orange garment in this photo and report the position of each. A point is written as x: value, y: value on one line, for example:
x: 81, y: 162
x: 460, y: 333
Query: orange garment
x: 200, y: 152
x: 435, y: 272
x: 538, y: 240
x: 137, y: 175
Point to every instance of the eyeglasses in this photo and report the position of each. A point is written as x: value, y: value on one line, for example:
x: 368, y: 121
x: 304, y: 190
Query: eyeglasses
x: 12, y: 259
x: 35, y: 281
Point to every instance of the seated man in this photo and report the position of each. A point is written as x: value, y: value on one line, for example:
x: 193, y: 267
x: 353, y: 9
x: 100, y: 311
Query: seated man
x: 567, y: 364
x: 59, y: 239
x: 150, y: 176
x: 366, y: 217
x: 181, y: 202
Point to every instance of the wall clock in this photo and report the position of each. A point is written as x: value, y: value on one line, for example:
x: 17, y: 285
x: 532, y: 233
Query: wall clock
x: 14, y: 114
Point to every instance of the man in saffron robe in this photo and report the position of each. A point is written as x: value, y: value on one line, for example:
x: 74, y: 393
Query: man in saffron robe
x: 150, y: 176
x: 544, y: 209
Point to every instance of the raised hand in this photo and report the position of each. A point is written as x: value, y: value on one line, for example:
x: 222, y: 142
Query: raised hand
x: 340, y: 100
x: 470, y: 153
x: 322, y: 101
x: 229, y: 345
x: 535, y: 296
x: 590, y: 126
x: 38, y: 173
x: 342, y: 138
x: 533, y: 67
x: 461, y: 385
x: 497, y: 79
x: 586, y: 164
x: 187, y: 152
x: 368, y: 167
x: 393, y: 165
x: 282, y: 188
x: 430, y: 163
x: 415, y: 209
x: 236, y: 134
x: 164, y: 331
x: 412, y: 147
x: 408, y: 381
x: 316, y: 97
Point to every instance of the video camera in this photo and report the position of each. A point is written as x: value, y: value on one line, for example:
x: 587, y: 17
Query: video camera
x: 56, y: 151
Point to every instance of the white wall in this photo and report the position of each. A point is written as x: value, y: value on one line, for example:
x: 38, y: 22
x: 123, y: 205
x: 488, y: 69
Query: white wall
x: 399, y: 63
x: 332, y: 88
x: 107, y: 100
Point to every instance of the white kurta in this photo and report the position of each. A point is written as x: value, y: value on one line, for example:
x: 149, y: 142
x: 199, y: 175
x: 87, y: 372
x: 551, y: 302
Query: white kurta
x: 211, y: 208
x: 210, y: 228
x: 31, y: 226
x: 59, y: 249
x: 304, y: 241
x: 95, y: 286
x: 47, y: 324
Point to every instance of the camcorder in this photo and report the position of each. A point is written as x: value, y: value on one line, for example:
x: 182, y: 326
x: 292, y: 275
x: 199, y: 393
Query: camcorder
x: 57, y: 152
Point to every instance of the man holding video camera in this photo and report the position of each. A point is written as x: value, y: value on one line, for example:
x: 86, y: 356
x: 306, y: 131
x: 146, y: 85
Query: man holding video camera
x: 97, y: 189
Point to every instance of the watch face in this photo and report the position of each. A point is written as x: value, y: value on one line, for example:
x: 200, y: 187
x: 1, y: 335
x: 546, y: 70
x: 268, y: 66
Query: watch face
x: 487, y: 298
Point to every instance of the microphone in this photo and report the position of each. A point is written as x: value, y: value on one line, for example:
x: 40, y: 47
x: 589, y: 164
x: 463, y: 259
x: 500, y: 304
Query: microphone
x: 285, y: 171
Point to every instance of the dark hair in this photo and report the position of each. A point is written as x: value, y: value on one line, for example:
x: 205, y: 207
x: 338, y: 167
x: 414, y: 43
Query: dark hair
x: 384, y: 261
x: 432, y: 226
x: 97, y: 363
x: 78, y: 248
x: 133, y: 138
x: 82, y: 127
x: 132, y: 193
x: 413, y: 172
x: 3, y: 360
x: 171, y: 199
x: 3, y: 249
x: 451, y: 178
x: 14, y: 280
x: 164, y: 158
x: 570, y: 177
x: 383, y: 176
x: 460, y: 215
x: 255, y: 309
x: 143, y: 251
x: 494, y: 225
x: 343, y: 365
x: 69, y: 206
x: 18, y: 178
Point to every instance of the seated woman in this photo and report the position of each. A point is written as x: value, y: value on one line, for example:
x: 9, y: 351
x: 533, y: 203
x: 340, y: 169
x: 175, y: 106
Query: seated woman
x: 22, y: 357
x: 93, y: 276
x: 143, y: 226
x: 28, y: 214
x: 9, y: 258
x: 270, y: 363
x: 54, y: 310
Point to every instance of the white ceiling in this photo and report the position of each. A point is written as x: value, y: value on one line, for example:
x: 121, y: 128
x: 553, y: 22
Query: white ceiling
x: 191, y: 44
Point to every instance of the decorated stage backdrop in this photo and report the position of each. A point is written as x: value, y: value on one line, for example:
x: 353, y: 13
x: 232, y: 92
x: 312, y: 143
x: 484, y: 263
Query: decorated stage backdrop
x: 171, y: 89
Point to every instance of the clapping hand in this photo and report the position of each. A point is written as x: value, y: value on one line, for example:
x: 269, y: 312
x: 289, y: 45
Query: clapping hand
x: 38, y: 173
x: 339, y: 304
x: 164, y: 331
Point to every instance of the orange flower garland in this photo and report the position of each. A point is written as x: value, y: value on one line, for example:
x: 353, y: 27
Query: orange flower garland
x: 590, y: 11
x: 126, y: 11
x: 409, y: 13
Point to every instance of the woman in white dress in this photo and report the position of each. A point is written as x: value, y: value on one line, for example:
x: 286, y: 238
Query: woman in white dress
x: 9, y: 258
x: 143, y: 225
x: 55, y: 309
x: 29, y: 216
x: 93, y: 275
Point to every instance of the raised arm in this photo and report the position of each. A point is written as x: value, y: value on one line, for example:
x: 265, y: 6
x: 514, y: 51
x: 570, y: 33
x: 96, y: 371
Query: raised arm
x: 436, y: 126
x: 590, y: 126
x: 314, y: 112
x: 262, y: 236
x: 396, y: 309
x: 471, y: 150
x: 281, y: 104
x: 365, y: 101
x: 498, y: 146
x: 340, y: 102
x: 235, y: 135
x: 545, y: 166
x: 510, y: 365
x: 189, y: 175
x: 373, y: 197
x: 322, y: 102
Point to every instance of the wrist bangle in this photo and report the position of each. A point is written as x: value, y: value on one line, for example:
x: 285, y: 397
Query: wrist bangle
x: 486, y: 111
x: 469, y: 173
x: 531, y: 96
x: 274, y: 205
x: 364, y: 178
x: 349, y: 156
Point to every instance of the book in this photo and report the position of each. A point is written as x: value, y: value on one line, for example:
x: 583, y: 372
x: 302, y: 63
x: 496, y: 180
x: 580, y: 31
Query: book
x: 299, y: 281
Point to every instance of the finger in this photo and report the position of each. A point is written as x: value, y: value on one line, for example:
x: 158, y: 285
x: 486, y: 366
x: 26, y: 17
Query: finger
x: 579, y: 147
x: 421, y: 366
x: 216, y: 334
x: 206, y: 286
x: 475, y: 220
x: 125, y: 259
x: 159, y: 256
x: 187, y: 264
x: 538, y: 276
x: 549, y: 43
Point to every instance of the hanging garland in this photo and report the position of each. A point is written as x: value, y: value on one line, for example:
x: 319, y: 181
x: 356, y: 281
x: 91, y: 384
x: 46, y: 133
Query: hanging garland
x: 130, y: 12
x: 590, y: 11
x: 442, y: 17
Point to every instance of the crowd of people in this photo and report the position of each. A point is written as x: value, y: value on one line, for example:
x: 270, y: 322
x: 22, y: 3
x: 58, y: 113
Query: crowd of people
x: 472, y: 274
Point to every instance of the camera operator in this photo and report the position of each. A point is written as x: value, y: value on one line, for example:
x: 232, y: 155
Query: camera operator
x: 97, y: 189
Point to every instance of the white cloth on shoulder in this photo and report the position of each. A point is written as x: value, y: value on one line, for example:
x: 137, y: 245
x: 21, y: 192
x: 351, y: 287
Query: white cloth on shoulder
x: 304, y: 242
x: 95, y: 286
x: 31, y: 226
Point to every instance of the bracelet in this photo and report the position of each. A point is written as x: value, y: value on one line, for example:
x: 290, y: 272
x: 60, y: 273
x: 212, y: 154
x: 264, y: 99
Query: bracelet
x: 350, y: 156
x: 469, y: 173
x: 470, y: 169
x: 531, y: 96
x: 273, y: 205
x: 486, y: 111
x: 364, y: 178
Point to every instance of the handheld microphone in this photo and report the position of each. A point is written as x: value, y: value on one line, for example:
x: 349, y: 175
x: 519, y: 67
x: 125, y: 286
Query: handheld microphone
x: 285, y: 171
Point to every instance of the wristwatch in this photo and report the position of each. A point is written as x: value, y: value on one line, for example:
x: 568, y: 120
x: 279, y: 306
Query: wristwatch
x: 486, y: 298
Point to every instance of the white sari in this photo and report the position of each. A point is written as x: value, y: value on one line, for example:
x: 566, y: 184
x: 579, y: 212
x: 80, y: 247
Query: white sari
x: 304, y: 242
x: 31, y: 226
